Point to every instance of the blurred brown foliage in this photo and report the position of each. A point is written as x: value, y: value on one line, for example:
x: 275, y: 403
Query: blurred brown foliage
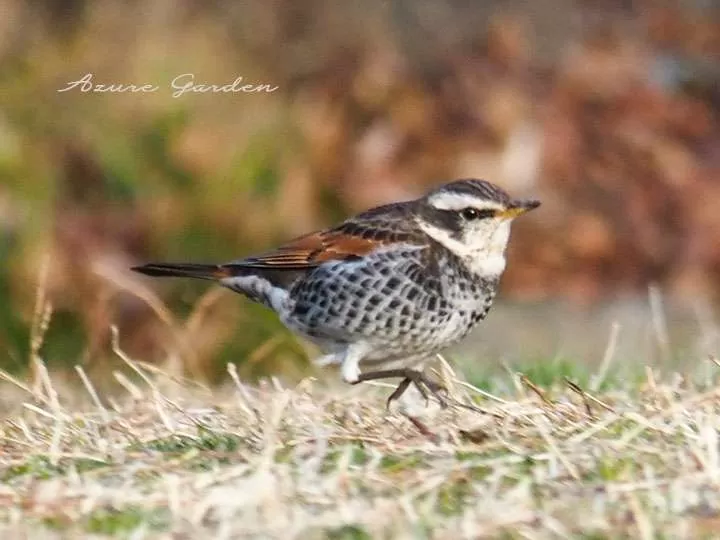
x: 607, y: 111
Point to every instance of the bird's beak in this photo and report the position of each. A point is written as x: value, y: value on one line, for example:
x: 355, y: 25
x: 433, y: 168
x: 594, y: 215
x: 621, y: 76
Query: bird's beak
x: 516, y: 208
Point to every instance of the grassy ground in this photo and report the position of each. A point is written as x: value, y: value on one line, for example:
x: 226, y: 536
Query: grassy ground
x: 169, y: 458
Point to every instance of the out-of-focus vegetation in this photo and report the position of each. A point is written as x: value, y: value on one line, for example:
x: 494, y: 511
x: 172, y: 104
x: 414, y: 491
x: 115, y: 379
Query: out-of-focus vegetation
x: 607, y: 111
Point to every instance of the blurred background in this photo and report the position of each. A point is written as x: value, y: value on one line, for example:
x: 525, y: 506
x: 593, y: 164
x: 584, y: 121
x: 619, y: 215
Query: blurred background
x: 606, y: 110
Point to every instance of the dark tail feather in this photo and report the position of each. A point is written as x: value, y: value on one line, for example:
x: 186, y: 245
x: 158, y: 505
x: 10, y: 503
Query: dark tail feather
x: 199, y: 271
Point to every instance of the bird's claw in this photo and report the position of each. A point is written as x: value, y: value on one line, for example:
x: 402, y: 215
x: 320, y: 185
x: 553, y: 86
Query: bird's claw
x: 424, y: 385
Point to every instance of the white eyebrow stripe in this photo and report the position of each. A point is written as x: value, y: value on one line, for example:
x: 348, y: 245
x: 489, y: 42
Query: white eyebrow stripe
x: 458, y: 201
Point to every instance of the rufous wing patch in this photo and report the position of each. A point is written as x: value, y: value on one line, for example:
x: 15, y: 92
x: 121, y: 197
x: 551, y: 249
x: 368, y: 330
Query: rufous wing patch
x: 314, y: 249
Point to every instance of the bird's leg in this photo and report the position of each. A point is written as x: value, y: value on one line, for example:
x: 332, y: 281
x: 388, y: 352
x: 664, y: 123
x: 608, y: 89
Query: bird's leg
x: 349, y: 368
x: 400, y: 390
x: 418, y: 378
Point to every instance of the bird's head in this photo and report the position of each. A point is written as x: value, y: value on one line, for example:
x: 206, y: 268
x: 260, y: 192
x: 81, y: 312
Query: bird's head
x: 472, y: 218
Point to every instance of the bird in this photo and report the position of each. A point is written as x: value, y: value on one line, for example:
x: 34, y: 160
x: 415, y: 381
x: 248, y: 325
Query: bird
x: 387, y: 289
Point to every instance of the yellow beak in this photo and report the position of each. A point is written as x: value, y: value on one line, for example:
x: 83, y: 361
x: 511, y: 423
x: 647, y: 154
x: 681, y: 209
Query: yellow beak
x: 517, y: 208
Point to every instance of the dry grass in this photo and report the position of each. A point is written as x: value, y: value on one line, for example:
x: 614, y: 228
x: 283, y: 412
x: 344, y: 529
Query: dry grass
x: 170, y: 458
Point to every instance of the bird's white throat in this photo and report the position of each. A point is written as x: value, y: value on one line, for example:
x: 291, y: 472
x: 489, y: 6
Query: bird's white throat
x: 484, y: 254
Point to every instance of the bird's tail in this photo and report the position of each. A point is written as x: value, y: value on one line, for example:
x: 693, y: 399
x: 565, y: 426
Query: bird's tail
x: 191, y: 270
x: 233, y: 276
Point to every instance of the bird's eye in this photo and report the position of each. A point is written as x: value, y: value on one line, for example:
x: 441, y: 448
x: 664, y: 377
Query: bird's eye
x: 473, y: 213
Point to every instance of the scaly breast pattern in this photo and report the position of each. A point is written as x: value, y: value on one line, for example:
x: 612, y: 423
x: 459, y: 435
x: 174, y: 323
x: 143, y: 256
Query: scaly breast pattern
x: 398, y: 301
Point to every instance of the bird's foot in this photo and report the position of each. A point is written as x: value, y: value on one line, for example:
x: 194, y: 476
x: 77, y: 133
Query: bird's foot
x: 424, y: 385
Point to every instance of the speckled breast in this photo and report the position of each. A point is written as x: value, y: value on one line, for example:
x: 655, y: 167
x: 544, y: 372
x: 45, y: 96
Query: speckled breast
x: 394, y: 301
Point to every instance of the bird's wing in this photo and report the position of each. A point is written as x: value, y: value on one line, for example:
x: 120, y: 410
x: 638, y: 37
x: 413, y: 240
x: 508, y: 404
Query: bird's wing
x: 352, y: 239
